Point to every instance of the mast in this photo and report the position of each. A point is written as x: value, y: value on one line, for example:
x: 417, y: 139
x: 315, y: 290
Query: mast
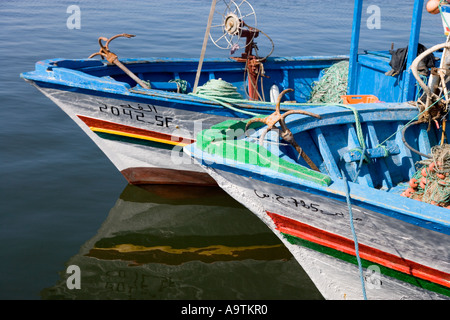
x: 416, y: 22
x: 353, y: 59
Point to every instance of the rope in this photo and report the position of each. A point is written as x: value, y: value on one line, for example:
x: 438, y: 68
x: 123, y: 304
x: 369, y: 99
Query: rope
x: 182, y: 85
x: 413, y: 119
x: 223, y: 93
x: 218, y: 89
x: 359, y: 132
x: 431, y: 182
x: 355, y: 239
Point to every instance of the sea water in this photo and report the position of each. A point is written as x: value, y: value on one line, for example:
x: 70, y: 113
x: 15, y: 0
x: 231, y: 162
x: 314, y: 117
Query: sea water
x: 63, y: 203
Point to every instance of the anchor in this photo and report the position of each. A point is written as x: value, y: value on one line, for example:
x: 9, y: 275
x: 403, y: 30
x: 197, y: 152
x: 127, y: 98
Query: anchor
x: 111, y: 57
x: 286, y: 134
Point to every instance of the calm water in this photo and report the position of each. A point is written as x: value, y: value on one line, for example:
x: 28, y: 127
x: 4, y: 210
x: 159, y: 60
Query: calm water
x: 63, y: 202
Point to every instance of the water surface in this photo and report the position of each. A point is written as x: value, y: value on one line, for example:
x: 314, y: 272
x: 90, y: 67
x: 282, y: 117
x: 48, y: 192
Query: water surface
x: 60, y: 195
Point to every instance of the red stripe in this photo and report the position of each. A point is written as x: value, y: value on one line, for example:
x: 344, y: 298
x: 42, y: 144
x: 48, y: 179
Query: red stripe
x: 102, y: 124
x: 334, y: 241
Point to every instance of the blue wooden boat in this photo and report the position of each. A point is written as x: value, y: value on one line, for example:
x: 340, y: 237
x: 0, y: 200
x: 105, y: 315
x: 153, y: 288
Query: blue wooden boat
x: 360, y: 194
x: 141, y: 112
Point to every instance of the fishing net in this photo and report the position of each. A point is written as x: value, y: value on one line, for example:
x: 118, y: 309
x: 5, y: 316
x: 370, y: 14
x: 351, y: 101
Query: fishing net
x: 332, y: 85
x: 431, y: 183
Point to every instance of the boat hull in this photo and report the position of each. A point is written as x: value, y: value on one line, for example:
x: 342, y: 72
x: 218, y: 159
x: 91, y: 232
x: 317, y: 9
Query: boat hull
x: 143, y: 130
x: 143, y: 140
x: 400, y: 260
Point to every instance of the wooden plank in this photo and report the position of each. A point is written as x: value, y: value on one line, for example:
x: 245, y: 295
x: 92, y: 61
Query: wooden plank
x: 381, y: 163
x: 364, y: 175
x: 327, y: 156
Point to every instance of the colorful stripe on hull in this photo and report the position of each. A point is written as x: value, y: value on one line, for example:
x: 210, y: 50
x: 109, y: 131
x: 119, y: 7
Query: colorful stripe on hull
x: 107, y: 129
x: 342, y: 248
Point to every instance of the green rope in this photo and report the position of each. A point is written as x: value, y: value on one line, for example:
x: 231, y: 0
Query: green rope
x: 223, y: 93
x: 218, y: 89
x: 359, y: 131
x: 386, y: 152
x: 332, y: 85
x: 182, y: 85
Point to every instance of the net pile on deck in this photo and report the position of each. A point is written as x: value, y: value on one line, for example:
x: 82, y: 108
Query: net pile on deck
x: 431, y: 183
x: 332, y: 85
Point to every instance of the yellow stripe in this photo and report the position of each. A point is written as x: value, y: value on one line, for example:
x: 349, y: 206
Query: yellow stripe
x: 138, y: 136
x: 207, y: 251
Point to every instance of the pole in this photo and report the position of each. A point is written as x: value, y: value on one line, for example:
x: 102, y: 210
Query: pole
x: 353, y: 59
x: 416, y: 22
x: 205, y: 42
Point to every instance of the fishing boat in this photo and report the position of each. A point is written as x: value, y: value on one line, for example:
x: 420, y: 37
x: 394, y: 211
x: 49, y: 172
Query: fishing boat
x: 141, y: 112
x: 359, y: 193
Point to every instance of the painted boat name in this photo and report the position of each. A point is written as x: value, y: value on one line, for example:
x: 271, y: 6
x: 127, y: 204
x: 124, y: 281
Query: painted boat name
x: 296, y: 203
x: 145, y: 113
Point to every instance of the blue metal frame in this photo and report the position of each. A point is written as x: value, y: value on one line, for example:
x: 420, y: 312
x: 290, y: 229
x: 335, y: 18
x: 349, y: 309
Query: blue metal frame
x: 409, y: 86
x: 416, y: 23
x: 353, y: 60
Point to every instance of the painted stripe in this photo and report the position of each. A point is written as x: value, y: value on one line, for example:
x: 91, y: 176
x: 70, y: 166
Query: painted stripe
x: 330, y: 240
x: 102, y: 126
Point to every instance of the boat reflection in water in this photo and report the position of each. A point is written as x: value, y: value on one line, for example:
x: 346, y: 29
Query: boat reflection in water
x: 172, y: 242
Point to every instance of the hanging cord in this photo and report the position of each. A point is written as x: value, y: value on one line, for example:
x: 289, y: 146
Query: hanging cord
x: 412, y: 120
x: 355, y: 239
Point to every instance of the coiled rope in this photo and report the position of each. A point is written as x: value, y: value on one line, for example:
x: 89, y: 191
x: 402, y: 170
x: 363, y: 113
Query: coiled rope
x: 223, y: 93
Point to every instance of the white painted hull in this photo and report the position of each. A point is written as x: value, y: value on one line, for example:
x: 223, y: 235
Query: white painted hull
x: 137, y: 160
x: 336, y: 278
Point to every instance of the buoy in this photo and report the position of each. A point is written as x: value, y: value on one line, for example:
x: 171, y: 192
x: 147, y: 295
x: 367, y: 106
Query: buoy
x: 424, y: 172
x: 440, y: 176
x: 431, y: 166
x: 407, y: 193
x: 423, y: 182
x: 413, y: 183
x: 433, y: 6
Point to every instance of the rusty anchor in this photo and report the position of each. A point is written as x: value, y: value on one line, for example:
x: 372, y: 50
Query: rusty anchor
x: 286, y: 134
x: 111, y: 57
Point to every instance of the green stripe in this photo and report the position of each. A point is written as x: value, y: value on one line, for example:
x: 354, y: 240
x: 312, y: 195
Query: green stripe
x: 142, y: 142
x: 220, y: 140
x: 365, y: 263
